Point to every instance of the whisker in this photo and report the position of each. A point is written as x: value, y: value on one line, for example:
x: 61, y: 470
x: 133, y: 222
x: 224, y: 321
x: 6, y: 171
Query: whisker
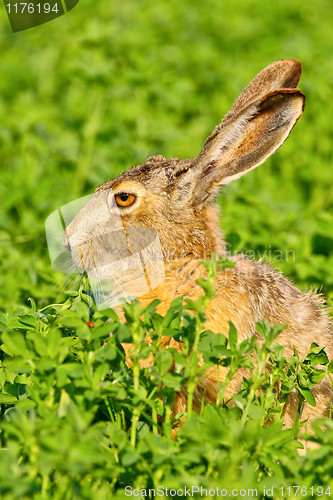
x: 121, y: 288
x: 100, y: 290
x: 62, y: 286
x: 66, y: 273
x: 66, y: 283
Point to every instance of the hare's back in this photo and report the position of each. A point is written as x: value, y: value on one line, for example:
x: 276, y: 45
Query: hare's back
x: 252, y: 291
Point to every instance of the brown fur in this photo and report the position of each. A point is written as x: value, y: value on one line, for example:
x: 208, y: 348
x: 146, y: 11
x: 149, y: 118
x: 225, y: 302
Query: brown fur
x: 177, y: 199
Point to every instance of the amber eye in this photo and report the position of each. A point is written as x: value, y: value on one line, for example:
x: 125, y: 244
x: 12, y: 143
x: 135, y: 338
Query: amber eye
x: 125, y: 199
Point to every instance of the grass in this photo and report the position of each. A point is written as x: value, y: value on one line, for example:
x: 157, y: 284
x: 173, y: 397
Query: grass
x: 78, y: 423
x: 83, y: 98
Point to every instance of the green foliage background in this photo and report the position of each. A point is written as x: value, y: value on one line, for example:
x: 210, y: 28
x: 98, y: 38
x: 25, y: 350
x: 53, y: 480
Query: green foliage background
x: 83, y: 98
x: 96, y: 91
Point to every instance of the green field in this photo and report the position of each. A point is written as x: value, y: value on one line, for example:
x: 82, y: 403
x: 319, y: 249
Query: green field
x: 83, y: 98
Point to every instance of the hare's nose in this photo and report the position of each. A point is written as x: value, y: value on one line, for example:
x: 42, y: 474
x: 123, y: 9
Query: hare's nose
x: 65, y: 241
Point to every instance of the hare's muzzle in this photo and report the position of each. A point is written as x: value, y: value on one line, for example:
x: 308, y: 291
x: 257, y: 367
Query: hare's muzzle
x: 65, y: 241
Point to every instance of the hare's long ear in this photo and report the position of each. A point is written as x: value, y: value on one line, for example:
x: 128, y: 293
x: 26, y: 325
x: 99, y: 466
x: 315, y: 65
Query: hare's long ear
x: 284, y: 74
x: 257, y: 124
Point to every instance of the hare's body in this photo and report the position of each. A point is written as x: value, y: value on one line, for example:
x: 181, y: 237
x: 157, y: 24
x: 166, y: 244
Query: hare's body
x: 176, y: 199
x: 246, y: 294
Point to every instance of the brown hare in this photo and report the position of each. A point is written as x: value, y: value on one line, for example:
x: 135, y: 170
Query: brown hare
x: 176, y: 200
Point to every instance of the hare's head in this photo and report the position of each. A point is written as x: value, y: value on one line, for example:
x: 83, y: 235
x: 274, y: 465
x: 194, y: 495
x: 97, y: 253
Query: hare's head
x: 175, y: 199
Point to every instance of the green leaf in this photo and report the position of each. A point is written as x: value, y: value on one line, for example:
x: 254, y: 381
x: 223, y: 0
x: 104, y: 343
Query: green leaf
x: 19, y: 364
x: 14, y: 344
x: 71, y: 320
x: 315, y: 376
x: 33, y: 304
x: 173, y: 317
x: 124, y: 334
x: 64, y: 404
x: 82, y: 310
x: 317, y: 355
x: 105, y: 315
x: 44, y: 363
x: 27, y: 320
x: 130, y: 457
x: 3, y: 376
x: 256, y: 412
x: 7, y: 398
x: 173, y: 380
x: 239, y: 400
x: 75, y: 370
x: 307, y: 394
x: 163, y: 362
x: 103, y: 331
x: 232, y: 335
x: 39, y: 343
x: 54, y: 343
x: 150, y: 310
x: 107, y: 351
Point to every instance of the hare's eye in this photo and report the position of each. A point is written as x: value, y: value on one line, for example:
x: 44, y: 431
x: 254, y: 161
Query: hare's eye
x: 125, y: 199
